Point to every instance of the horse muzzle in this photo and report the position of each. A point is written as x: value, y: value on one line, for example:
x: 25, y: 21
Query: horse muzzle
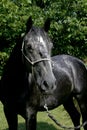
x: 48, y: 87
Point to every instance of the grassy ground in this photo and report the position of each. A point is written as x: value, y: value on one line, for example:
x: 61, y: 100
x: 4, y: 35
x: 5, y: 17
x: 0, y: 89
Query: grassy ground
x: 44, y: 123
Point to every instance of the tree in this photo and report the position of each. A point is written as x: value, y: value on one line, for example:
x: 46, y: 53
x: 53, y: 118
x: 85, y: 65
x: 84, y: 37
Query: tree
x: 68, y: 27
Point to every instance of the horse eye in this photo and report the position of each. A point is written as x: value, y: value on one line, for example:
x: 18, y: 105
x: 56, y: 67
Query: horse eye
x: 29, y: 47
x: 25, y: 41
x: 40, y: 54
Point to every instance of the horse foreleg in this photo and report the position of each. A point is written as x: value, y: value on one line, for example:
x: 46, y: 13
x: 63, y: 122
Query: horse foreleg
x: 74, y: 114
x: 11, y: 117
x: 30, y: 119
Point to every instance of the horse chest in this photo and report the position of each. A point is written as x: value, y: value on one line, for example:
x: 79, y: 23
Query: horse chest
x: 50, y: 100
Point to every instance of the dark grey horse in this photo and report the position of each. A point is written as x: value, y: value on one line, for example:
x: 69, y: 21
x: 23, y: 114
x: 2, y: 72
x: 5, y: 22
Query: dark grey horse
x: 28, y: 82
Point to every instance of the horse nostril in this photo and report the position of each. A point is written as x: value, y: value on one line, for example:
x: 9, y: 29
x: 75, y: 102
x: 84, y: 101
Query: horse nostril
x: 48, y: 86
x: 45, y: 84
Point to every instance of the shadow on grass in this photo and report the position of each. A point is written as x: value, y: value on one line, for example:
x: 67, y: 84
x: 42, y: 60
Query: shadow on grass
x: 45, y: 126
x: 40, y: 126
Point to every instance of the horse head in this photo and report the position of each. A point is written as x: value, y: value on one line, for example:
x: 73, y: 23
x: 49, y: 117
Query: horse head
x: 36, y: 50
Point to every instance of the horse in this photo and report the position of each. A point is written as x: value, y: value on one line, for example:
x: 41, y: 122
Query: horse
x: 20, y: 75
x: 33, y: 78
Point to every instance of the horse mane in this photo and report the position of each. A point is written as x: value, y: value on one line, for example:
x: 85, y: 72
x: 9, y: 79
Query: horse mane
x: 14, y: 59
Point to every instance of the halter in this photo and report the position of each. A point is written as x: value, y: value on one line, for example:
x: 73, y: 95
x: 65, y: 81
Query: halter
x: 33, y: 62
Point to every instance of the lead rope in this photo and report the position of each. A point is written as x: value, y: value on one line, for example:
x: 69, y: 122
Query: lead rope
x: 60, y: 125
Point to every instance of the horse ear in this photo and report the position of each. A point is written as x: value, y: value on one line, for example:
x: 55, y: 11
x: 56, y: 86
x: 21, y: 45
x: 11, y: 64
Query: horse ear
x: 29, y: 24
x: 47, y: 25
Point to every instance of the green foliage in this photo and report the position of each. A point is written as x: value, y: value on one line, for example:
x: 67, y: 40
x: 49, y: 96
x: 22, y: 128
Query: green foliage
x: 68, y: 27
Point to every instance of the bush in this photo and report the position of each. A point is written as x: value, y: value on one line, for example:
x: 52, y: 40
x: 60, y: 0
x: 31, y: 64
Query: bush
x: 68, y: 27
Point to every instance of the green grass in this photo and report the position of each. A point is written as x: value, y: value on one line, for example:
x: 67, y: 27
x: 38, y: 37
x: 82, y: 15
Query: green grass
x: 44, y: 122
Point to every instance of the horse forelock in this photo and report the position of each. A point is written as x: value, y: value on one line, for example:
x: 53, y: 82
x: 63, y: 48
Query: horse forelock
x: 38, y: 35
